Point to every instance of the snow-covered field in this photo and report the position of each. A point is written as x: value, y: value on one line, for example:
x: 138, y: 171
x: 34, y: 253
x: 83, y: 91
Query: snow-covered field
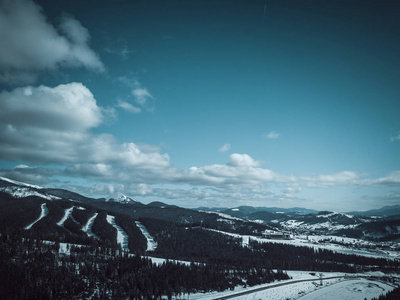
x: 21, y: 192
x: 332, y: 289
x: 350, y: 290
x: 323, y: 242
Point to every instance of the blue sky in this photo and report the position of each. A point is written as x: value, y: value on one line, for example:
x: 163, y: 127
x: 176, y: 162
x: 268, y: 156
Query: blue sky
x: 204, y: 103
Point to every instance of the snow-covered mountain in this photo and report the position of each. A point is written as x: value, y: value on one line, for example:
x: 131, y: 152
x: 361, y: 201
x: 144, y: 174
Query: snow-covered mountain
x: 243, y: 219
x: 121, y: 198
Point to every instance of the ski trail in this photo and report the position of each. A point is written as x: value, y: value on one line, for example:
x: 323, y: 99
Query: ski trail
x: 43, y: 213
x: 151, y: 243
x: 122, y: 237
x: 88, y: 227
x: 67, y: 214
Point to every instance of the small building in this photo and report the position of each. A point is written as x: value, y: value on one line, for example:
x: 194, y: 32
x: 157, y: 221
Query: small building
x: 277, y: 235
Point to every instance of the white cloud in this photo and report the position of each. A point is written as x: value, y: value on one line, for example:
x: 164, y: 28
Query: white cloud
x: 138, y: 94
x: 225, y: 148
x: 341, y: 178
x: 129, y: 107
x: 52, y: 125
x: 292, y: 188
x: 67, y: 107
x: 392, y: 179
x: 31, y: 44
x: 395, y: 138
x: 118, y: 47
x: 350, y: 178
x: 141, y: 94
x: 242, y: 160
x: 272, y: 135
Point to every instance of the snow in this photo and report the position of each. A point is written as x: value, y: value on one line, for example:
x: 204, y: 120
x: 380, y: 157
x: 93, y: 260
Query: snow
x: 88, y: 227
x: 122, y: 237
x: 160, y: 261
x: 67, y: 214
x: 221, y: 215
x: 43, y: 213
x: 21, y: 192
x: 121, y: 198
x: 20, y: 183
x: 350, y: 290
x: 321, y: 242
x: 151, y: 243
x: 331, y: 289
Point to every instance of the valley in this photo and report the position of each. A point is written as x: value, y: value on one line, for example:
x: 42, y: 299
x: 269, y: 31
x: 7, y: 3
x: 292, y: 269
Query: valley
x: 104, y: 243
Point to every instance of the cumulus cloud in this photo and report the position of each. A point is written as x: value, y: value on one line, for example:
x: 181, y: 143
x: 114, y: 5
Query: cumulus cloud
x: 225, y: 148
x: 272, y: 135
x: 242, y: 160
x: 32, y: 44
x: 24, y: 173
x: 53, y: 125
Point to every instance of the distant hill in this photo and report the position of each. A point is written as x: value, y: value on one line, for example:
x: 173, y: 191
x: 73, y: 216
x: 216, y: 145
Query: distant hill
x: 62, y: 213
x: 393, y: 210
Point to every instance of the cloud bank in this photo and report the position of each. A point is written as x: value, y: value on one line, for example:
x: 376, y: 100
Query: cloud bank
x: 34, y: 45
x: 47, y: 125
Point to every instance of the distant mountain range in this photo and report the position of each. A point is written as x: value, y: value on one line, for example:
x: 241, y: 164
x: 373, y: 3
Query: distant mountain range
x: 393, y: 210
x: 71, y: 215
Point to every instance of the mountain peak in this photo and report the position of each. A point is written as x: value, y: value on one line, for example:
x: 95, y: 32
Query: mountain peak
x: 121, y: 198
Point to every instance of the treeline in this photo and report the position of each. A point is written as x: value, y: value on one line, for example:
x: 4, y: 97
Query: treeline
x: 392, y: 295
x: 32, y: 269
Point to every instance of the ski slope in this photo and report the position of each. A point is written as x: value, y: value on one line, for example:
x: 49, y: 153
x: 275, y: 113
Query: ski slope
x: 43, y: 213
x: 122, y: 237
x: 88, y: 227
x: 151, y: 243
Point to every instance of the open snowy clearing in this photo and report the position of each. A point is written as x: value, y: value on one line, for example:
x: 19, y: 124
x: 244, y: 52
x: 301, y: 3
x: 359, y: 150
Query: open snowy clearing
x: 339, y: 288
x: 350, y: 290
x: 316, y: 242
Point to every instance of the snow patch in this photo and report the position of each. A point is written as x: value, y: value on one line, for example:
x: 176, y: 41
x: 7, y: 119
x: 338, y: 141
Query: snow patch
x: 122, y: 237
x: 151, y: 243
x: 22, y: 192
x: 121, y: 198
x: 88, y: 227
x: 67, y: 214
x: 43, y: 213
x: 20, y: 183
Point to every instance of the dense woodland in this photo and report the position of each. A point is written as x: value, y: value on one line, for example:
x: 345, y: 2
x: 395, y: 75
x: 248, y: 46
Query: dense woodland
x: 392, y: 295
x: 203, y: 245
x: 33, y: 269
